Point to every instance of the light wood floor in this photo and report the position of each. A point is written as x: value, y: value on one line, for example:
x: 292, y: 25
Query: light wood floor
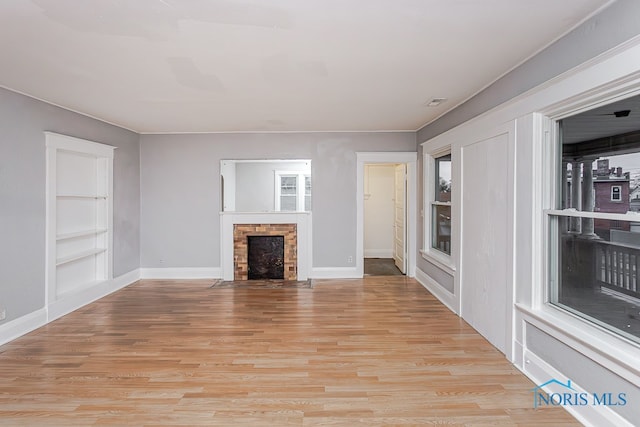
x: 378, y: 351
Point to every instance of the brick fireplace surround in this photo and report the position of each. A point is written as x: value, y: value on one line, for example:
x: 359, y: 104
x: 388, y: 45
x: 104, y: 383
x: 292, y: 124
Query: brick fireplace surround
x: 300, y: 242
x: 240, y: 247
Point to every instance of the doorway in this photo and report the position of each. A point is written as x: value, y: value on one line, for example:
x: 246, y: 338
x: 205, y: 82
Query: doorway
x: 394, y: 180
x: 384, y: 219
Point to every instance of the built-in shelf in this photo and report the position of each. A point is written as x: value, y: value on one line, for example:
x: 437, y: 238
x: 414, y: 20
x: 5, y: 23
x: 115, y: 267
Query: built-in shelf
x: 79, y: 215
x: 83, y: 233
x: 80, y: 255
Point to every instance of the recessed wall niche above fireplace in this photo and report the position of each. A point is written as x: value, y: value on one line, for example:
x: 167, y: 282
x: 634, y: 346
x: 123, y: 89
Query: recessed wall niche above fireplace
x: 266, y: 185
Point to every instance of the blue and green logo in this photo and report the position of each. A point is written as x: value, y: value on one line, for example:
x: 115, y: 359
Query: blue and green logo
x: 569, y: 396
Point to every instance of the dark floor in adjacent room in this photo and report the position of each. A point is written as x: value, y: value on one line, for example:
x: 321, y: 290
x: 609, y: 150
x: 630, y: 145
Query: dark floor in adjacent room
x: 380, y: 267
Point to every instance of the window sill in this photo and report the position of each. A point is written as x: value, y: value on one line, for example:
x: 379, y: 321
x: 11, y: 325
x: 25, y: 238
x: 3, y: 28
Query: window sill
x: 441, y: 261
x: 614, y: 352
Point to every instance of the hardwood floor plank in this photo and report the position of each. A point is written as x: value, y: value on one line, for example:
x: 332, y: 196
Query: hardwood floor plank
x: 377, y: 351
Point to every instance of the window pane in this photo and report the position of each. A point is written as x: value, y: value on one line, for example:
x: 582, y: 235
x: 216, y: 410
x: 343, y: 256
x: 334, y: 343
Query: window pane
x: 598, y: 279
x: 443, y: 179
x: 288, y: 185
x: 595, y: 262
x: 288, y: 203
x: 307, y: 193
x: 307, y: 185
x: 441, y: 228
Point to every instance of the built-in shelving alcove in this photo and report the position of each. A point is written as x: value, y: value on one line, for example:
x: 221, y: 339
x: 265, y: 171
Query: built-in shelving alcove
x: 79, y: 214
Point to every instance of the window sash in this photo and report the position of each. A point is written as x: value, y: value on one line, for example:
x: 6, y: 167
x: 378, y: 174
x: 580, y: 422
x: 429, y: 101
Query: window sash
x: 438, y: 161
x: 292, y: 191
x: 573, y: 213
x: 439, y: 227
x: 616, y: 268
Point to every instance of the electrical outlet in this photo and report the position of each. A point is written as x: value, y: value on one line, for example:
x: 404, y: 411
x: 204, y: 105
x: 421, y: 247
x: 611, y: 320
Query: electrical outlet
x: 350, y: 260
x: 3, y: 314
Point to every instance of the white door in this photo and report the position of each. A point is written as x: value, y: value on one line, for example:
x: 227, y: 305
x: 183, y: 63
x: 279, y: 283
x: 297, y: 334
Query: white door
x: 399, y: 229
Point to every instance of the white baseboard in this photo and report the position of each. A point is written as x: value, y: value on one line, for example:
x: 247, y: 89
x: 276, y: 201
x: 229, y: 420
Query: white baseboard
x: 31, y: 321
x: 68, y: 303
x: 518, y: 355
x: 540, y: 372
x: 378, y: 253
x: 334, y: 273
x: 22, y: 325
x: 445, y: 297
x: 181, y: 273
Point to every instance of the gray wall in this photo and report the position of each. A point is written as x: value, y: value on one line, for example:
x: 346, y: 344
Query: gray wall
x: 22, y: 195
x: 180, y: 187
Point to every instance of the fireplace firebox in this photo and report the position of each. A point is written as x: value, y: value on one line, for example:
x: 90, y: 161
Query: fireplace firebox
x: 286, y: 231
x: 265, y: 257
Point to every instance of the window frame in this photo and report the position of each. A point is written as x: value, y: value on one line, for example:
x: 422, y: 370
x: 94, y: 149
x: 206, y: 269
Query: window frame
x: 300, y: 189
x: 619, y: 199
x: 565, y: 319
x: 443, y: 260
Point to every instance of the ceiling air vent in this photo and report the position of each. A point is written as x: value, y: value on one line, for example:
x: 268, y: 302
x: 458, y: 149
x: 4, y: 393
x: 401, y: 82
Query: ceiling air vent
x: 434, y: 102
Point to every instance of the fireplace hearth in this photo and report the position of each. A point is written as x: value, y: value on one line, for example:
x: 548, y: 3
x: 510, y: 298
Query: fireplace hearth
x: 265, y: 257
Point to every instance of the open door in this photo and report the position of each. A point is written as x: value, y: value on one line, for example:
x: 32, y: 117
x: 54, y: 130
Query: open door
x: 399, y: 219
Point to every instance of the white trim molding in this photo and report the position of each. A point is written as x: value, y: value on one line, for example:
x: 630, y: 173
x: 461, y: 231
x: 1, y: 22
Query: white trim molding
x: 181, y: 273
x: 22, y: 325
x: 335, y: 273
x: 31, y: 321
x: 90, y: 294
x: 410, y: 158
x: 444, y: 296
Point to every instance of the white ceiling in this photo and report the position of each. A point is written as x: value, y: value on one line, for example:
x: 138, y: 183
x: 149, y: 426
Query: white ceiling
x: 270, y: 65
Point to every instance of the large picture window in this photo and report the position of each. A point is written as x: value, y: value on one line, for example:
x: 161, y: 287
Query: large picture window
x: 595, y: 228
x: 441, y: 205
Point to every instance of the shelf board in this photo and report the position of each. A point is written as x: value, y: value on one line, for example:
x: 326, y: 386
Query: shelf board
x: 79, y: 255
x: 80, y: 196
x: 82, y: 233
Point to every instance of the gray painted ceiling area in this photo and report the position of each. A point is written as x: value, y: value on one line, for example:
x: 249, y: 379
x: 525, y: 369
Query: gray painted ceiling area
x: 160, y: 66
